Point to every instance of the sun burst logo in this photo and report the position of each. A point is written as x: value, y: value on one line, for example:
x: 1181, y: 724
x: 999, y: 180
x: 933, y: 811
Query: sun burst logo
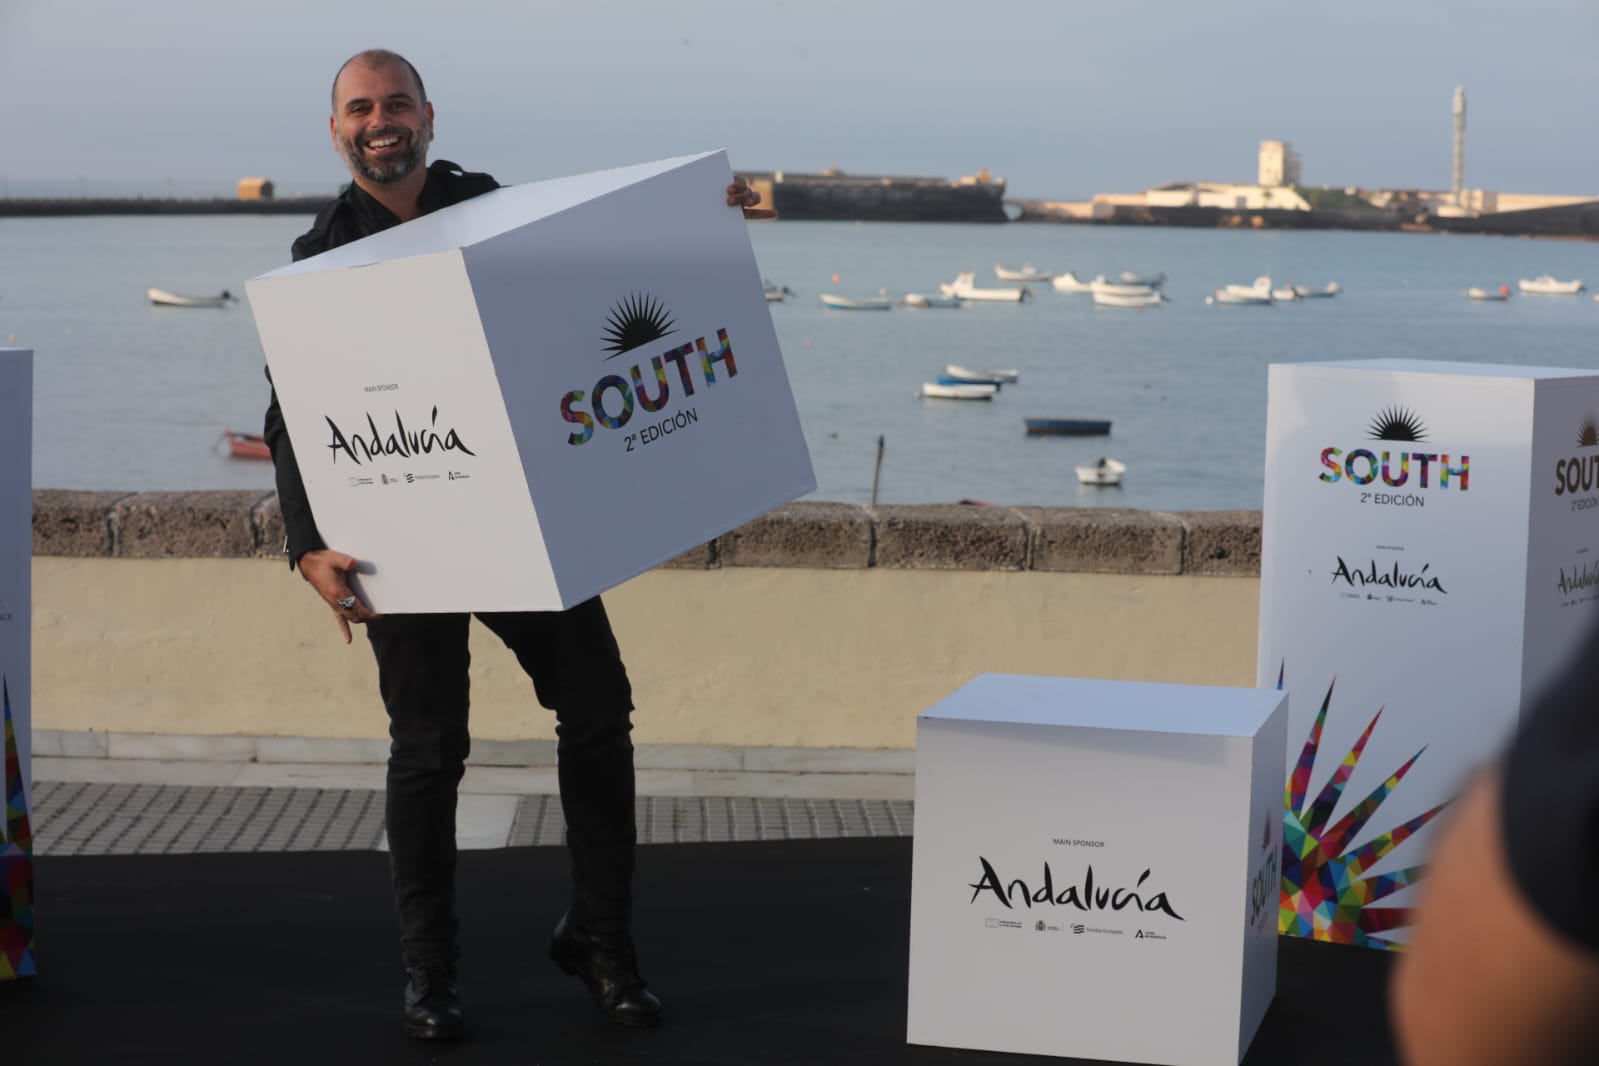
x: 1326, y: 893
x: 637, y: 319
x: 1588, y: 432
x: 1396, y: 423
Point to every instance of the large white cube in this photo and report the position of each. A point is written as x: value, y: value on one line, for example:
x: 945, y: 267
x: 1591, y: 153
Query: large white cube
x: 1096, y: 869
x: 16, y: 618
x: 524, y: 399
x: 1430, y: 542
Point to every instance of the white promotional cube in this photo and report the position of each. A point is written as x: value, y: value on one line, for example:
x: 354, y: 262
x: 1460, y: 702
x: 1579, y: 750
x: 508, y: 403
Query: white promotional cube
x: 1430, y: 542
x: 524, y: 399
x: 16, y: 557
x: 1096, y: 869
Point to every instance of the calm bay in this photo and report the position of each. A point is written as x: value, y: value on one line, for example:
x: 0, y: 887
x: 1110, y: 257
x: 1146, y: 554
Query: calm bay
x: 134, y: 397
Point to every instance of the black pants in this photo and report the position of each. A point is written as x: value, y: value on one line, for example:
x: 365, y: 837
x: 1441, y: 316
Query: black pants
x: 577, y: 671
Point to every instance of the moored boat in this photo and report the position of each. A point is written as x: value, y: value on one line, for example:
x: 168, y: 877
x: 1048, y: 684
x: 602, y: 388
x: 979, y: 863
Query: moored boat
x: 1545, y: 285
x: 922, y: 299
x: 1154, y: 281
x: 965, y: 287
x: 856, y: 303
x: 163, y: 298
x: 1023, y: 273
x: 1246, y: 297
x: 1499, y: 295
x: 775, y: 293
x: 246, y: 445
x: 1066, y: 427
x: 1068, y: 282
x: 1007, y: 377
x: 1305, y: 292
x: 1104, y: 472
x: 1101, y: 287
x: 1135, y: 300
x: 934, y: 390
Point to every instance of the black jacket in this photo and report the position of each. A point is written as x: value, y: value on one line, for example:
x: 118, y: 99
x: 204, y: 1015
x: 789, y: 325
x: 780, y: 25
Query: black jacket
x: 350, y: 216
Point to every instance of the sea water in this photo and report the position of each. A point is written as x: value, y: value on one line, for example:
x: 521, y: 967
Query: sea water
x: 131, y: 397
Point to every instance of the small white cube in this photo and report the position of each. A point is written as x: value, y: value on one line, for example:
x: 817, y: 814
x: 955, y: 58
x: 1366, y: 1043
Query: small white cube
x: 1097, y: 869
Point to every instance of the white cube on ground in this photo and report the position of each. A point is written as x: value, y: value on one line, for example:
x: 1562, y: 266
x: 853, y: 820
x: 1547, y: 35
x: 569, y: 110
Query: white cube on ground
x: 1430, y: 542
x: 1096, y: 869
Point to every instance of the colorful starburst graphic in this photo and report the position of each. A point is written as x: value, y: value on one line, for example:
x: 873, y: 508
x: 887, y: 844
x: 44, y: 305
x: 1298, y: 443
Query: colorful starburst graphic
x: 16, y: 863
x: 1327, y: 893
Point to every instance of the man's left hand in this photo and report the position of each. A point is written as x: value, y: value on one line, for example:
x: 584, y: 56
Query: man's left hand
x: 739, y: 194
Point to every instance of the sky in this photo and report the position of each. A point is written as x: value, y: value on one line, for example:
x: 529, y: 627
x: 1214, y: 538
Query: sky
x: 1063, y: 99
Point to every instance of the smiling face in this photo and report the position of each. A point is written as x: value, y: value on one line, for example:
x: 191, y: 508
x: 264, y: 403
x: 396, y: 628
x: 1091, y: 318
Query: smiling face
x: 380, y: 123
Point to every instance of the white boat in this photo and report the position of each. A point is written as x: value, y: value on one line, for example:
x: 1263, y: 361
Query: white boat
x: 1023, y: 273
x: 921, y: 299
x: 856, y: 303
x: 1499, y: 295
x: 965, y: 287
x: 932, y: 390
x: 1120, y: 299
x: 1261, y: 285
x: 163, y: 298
x: 1284, y: 296
x: 1104, y: 472
x: 1548, y: 286
x: 1101, y: 287
x: 774, y: 292
x: 1154, y: 281
x: 1068, y: 282
x: 1009, y: 377
x: 1240, y: 295
x: 1305, y: 292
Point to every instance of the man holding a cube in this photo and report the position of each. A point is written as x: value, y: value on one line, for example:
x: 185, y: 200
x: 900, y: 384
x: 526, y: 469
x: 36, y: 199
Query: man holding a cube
x: 382, y: 124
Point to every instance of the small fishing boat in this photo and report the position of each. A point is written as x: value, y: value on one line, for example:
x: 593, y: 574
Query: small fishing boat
x: 964, y: 287
x: 1066, y: 427
x: 933, y: 390
x: 1136, y: 300
x: 246, y: 445
x: 922, y: 299
x: 856, y: 303
x: 1101, y: 287
x: 1154, y: 281
x: 1024, y: 273
x: 163, y: 298
x: 950, y: 379
x: 1499, y: 295
x: 1305, y: 292
x: 1547, y: 286
x: 775, y: 293
x: 1068, y: 282
x: 1007, y: 377
x: 1285, y: 296
x: 1261, y: 285
x: 1247, y: 298
x: 1104, y: 472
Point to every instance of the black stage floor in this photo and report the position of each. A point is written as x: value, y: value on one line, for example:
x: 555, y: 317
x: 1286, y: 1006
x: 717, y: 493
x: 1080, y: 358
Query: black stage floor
x: 772, y: 952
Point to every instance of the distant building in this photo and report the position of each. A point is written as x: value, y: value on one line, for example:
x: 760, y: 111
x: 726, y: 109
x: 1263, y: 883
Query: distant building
x: 1224, y: 195
x: 1279, y: 164
x: 255, y: 189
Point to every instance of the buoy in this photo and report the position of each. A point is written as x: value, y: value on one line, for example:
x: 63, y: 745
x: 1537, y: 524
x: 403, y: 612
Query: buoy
x: 835, y: 279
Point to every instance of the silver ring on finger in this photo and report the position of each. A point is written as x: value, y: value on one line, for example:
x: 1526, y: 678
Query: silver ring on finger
x: 347, y: 603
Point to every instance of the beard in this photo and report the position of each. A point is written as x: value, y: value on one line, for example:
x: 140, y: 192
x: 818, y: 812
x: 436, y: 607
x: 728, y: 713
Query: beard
x: 394, y: 168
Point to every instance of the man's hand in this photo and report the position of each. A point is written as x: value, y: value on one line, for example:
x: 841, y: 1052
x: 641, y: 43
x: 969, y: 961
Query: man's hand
x: 739, y: 194
x: 328, y: 572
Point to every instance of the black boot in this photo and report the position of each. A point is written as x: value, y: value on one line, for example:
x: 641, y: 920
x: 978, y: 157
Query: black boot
x: 608, y: 964
x: 432, y: 1003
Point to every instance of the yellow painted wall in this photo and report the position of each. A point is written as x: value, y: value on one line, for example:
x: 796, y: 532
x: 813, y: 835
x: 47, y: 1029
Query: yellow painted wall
x: 735, y: 656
